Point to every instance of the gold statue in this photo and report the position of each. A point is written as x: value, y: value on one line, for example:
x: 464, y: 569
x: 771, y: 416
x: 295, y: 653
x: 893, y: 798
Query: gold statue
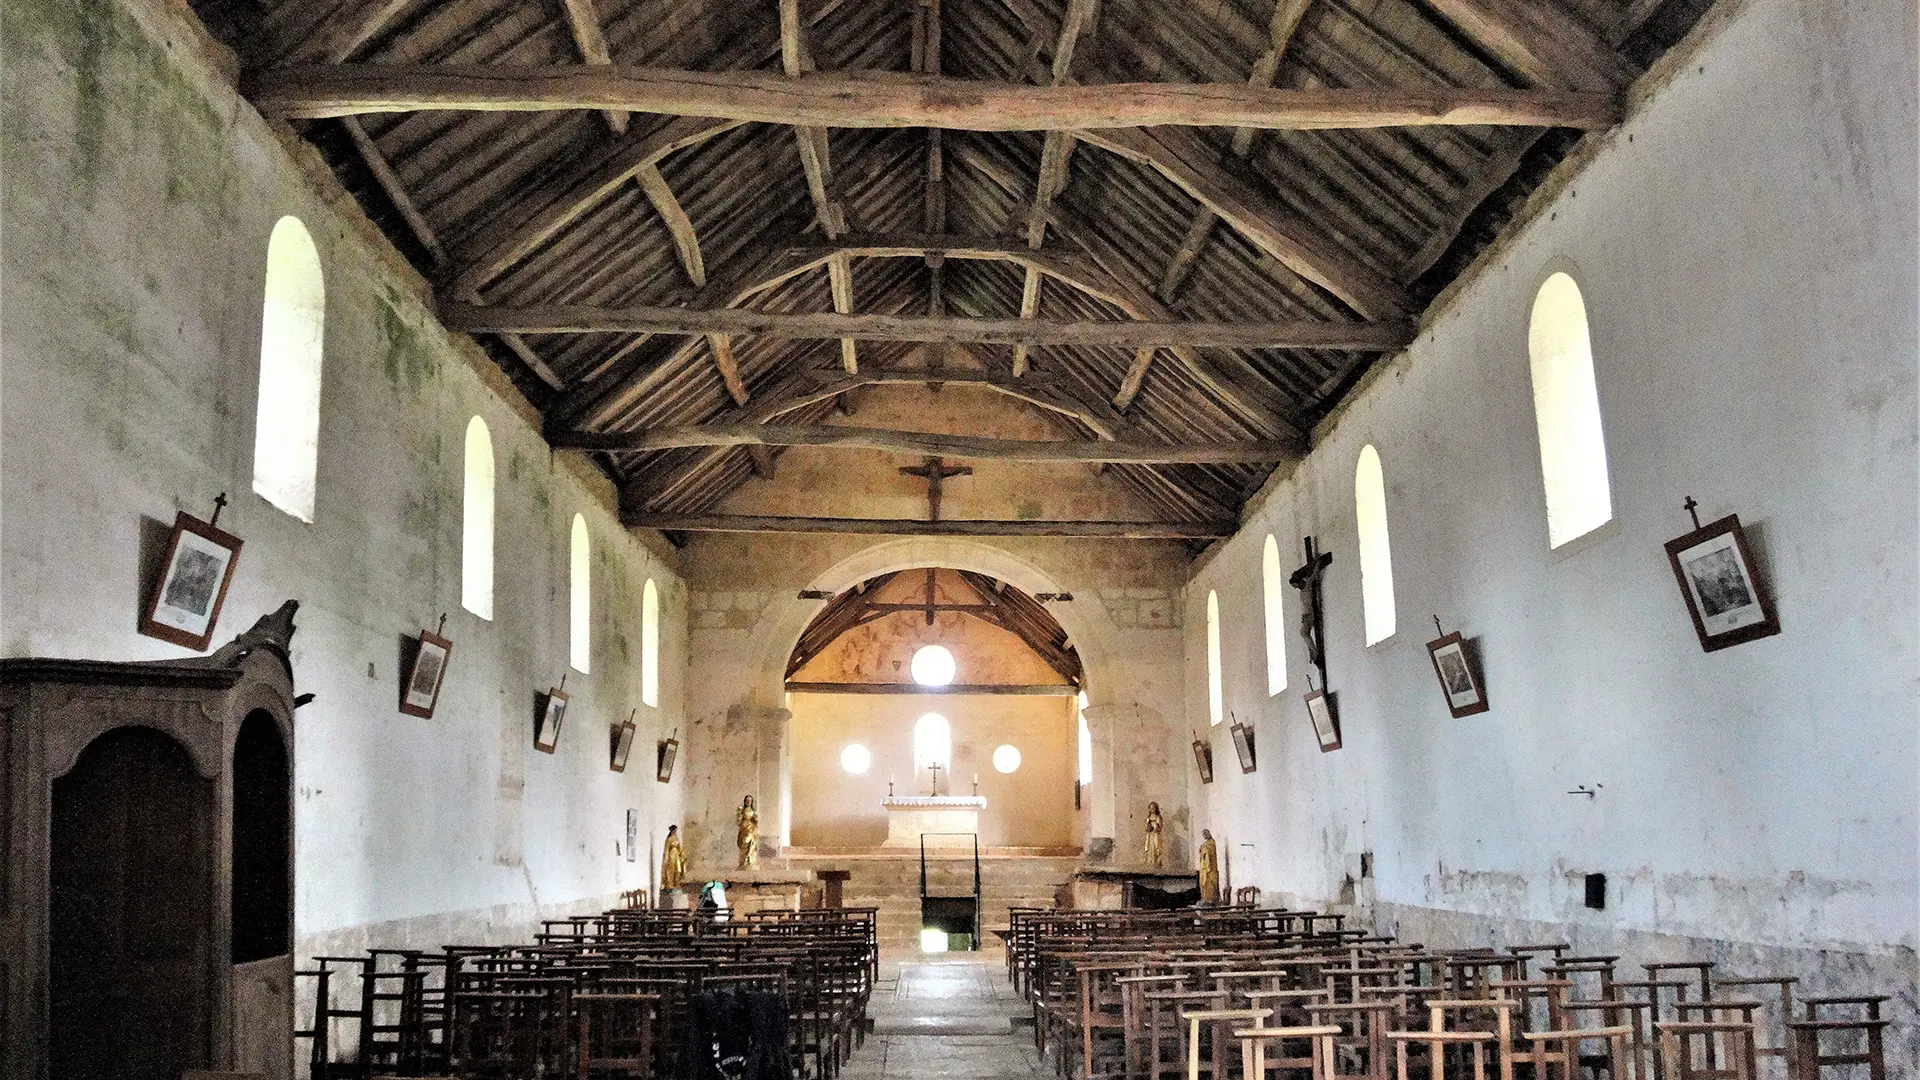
x: 748, y: 837
x: 1156, y: 825
x: 1209, y: 866
x: 673, y: 860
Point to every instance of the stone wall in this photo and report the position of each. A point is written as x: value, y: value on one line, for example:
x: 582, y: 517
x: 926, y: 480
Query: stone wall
x: 1746, y: 246
x: 140, y: 192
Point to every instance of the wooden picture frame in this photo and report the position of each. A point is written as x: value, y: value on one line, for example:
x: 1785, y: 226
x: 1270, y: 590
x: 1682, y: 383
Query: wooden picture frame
x: 620, y: 745
x: 553, y: 713
x: 1459, y: 681
x: 1326, y: 725
x: 1203, y: 759
x: 426, y: 673
x: 184, y: 604
x: 1725, y: 597
x: 1243, y: 746
x: 664, y: 755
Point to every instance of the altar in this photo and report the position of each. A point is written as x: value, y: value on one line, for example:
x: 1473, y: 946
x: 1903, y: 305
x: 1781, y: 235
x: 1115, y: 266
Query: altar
x: 910, y: 816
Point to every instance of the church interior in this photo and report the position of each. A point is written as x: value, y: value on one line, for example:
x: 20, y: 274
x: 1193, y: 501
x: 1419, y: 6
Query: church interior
x: 998, y: 539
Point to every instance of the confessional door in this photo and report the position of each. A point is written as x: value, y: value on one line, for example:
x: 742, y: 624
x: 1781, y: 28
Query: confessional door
x: 131, y: 890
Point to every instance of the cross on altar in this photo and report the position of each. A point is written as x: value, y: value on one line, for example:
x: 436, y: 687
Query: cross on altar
x: 935, y: 770
x: 1307, y: 580
x: 935, y: 471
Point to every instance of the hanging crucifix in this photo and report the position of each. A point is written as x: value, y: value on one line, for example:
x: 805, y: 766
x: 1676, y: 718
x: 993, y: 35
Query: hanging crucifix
x: 936, y: 472
x: 1307, y: 580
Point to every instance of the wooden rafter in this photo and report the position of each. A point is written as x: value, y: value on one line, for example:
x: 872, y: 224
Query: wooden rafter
x: 583, y: 19
x: 815, y: 161
x: 1286, y: 19
x: 1546, y: 44
x: 1092, y: 530
x: 582, y: 319
x: 895, y: 100
x: 1055, y: 153
x: 924, y: 443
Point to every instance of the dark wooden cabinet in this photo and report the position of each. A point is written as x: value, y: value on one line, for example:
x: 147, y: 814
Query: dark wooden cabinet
x: 120, y: 788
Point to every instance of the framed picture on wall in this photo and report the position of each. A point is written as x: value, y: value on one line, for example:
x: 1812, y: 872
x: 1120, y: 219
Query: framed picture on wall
x: 553, y: 710
x: 664, y: 754
x: 621, y: 745
x: 1459, y: 683
x: 1717, y: 579
x: 1243, y: 745
x: 185, y: 603
x: 1325, y: 727
x: 1203, y: 758
x: 420, y: 693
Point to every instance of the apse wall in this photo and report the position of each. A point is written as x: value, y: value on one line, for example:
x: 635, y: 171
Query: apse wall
x: 139, y: 196
x: 1746, y: 246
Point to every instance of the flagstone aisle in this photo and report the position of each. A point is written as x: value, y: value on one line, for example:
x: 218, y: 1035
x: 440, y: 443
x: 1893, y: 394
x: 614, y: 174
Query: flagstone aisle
x: 948, y: 1017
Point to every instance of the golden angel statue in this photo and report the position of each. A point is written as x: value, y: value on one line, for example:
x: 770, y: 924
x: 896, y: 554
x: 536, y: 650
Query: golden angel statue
x: 1156, y: 827
x: 748, y: 837
x: 1209, y: 867
x: 673, y: 860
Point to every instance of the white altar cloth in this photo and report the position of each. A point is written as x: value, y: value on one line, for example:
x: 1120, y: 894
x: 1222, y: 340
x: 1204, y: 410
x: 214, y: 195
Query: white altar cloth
x: 910, y: 816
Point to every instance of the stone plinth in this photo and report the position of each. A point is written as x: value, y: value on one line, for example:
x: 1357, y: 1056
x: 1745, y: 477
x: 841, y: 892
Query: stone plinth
x: 1117, y: 888
x: 911, y: 816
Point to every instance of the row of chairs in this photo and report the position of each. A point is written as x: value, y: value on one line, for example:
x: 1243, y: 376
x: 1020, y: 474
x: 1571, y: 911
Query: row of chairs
x: 1246, y: 993
x: 603, y: 996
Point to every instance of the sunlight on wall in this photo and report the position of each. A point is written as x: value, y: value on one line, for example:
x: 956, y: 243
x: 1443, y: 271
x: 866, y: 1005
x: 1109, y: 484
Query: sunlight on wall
x: 1216, y: 693
x: 1376, y: 555
x: 1086, y: 741
x: 476, y: 522
x: 1566, y: 406
x: 932, y: 742
x: 286, y: 433
x: 580, y: 575
x: 1270, y: 593
x: 650, y: 645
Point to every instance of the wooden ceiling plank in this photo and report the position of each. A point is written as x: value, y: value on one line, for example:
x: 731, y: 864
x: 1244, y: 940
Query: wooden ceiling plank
x: 1544, y: 43
x: 519, y: 347
x: 895, y: 100
x: 929, y: 444
x: 1110, y: 530
x: 1384, y: 336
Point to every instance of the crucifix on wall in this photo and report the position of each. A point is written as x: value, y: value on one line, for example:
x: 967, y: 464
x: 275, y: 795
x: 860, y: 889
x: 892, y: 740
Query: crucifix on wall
x: 1307, y: 580
x: 935, y: 471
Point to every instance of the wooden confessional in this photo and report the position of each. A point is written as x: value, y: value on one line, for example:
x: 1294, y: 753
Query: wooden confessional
x: 147, y: 884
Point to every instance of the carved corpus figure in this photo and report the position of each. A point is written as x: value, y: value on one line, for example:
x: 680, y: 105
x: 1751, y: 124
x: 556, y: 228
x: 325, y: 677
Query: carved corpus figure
x: 1209, y: 866
x: 748, y: 837
x: 1156, y: 826
x: 673, y: 860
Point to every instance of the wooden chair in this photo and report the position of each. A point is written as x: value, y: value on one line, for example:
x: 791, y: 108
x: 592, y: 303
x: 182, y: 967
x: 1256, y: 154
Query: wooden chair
x: 1706, y: 1050
x: 617, y: 1035
x: 1566, y: 1061
x: 1318, y: 1061
x: 1809, y: 1056
x: 1219, y: 1022
x: 1772, y: 1040
x: 1436, y: 1043
x: 1365, y: 1035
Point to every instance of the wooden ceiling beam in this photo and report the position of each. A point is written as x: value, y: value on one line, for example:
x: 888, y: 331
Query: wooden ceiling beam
x: 817, y: 164
x: 1055, y: 153
x: 563, y: 201
x: 1286, y: 19
x: 1186, y: 162
x: 583, y: 20
x: 896, y: 100
x: 929, y: 444
x: 1385, y: 336
x: 686, y: 243
x: 751, y: 523
x: 396, y: 191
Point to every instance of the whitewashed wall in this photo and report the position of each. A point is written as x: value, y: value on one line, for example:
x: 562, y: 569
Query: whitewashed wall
x: 1746, y: 245
x: 138, y: 199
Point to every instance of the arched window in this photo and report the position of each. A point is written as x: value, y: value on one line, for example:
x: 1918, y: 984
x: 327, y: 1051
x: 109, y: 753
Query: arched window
x: 1270, y: 582
x: 932, y: 742
x: 286, y: 426
x: 1376, y: 556
x: 580, y: 568
x: 1566, y: 405
x: 650, y: 645
x: 476, y: 523
x: 1216, y: 693
x: 1086, y: 740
